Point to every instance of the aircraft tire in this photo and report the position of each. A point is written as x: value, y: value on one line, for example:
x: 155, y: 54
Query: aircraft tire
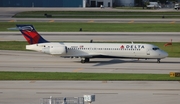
x: 82, y: 61
x: 158, y: 60
x: 86, y: 59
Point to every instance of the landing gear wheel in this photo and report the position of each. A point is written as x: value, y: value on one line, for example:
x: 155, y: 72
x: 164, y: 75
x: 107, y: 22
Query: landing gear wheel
x: 84, y: 60
x: 158, y: 60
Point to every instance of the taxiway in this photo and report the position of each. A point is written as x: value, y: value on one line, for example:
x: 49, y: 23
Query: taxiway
x: 98, y: 36
x: 38, y: 62
x: 106, y: 92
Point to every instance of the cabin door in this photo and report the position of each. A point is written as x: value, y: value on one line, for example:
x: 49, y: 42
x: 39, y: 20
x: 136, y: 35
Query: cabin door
x: 148, y: 52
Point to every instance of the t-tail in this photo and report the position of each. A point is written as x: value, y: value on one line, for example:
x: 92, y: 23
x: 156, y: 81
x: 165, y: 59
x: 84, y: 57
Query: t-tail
x: 30, y: 34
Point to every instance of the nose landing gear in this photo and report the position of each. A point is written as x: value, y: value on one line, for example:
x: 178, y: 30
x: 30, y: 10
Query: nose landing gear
x: 158, y: 60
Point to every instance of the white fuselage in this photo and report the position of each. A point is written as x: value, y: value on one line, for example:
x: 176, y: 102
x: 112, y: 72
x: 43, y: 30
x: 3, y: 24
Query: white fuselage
x: 100, y: 50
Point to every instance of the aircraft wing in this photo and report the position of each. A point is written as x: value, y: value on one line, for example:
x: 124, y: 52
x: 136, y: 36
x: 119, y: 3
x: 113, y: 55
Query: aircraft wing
x: 93, y: 56
x: 84, y: 56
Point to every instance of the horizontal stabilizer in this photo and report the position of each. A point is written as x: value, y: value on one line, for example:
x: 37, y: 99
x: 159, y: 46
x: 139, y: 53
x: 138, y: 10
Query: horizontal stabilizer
x: 13, y: 28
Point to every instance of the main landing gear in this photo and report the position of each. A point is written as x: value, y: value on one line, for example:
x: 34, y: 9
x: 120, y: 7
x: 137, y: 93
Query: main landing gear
x: 158, y: 60
x: 84, y: 60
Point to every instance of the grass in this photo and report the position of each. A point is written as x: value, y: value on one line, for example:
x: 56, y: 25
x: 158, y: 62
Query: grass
x: 96, y: 27
x: 173, y: 51
x: 97, y: 14
x: 85, y: 76
x: 13, y: 45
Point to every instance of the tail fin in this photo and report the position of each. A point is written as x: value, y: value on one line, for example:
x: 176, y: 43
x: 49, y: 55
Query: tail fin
x: 30, y: 34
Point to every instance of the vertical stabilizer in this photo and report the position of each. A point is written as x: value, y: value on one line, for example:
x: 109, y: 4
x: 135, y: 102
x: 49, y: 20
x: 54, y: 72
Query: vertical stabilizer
x: 30, y: 34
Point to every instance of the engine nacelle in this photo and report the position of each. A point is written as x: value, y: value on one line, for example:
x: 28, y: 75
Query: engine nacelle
x: 55, y: 50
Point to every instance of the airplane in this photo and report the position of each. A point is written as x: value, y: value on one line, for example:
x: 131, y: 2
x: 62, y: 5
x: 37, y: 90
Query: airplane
x: 87, y: 51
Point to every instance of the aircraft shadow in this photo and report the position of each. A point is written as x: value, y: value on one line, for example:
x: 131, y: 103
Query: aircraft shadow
x: 110, y: 62
x: 119, y: 61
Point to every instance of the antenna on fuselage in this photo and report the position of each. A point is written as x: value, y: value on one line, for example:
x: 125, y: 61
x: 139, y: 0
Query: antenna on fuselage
x: 132, y: 43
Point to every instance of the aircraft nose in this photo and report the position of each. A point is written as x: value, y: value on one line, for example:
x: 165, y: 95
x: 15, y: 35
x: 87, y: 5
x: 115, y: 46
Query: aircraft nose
x: 164, y: 54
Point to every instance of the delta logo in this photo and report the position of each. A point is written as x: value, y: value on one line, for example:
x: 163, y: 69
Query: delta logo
x: 132, y: 46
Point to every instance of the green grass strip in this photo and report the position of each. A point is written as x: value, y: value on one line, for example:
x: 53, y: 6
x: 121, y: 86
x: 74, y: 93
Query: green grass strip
x: 85, y: 76
x: 96, y: 27
x: 97, y: 14
x: 13, y: 45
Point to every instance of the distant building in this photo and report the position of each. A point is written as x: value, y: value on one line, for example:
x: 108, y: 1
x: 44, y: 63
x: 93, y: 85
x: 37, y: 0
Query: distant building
x: 69, y: 3
x: 56, y: 3
x: 127, y: 3
x: 41, y: 3
x: 98, y: 3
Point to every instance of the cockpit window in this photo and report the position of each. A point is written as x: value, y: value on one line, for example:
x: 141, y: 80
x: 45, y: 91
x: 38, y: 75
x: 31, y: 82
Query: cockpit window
x: 155, y: 48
